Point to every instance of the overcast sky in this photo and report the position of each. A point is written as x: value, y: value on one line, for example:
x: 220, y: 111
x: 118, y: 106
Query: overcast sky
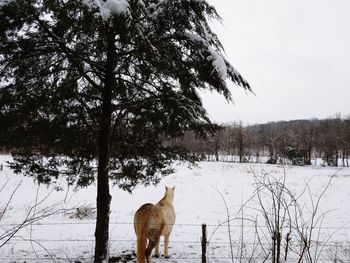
x: 294, y: 53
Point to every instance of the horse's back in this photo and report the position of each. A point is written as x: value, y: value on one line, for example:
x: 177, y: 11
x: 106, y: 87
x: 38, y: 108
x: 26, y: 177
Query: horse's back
x: 143, y: 210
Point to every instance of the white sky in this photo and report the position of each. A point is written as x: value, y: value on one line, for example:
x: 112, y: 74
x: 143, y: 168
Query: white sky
x: 294, y: 53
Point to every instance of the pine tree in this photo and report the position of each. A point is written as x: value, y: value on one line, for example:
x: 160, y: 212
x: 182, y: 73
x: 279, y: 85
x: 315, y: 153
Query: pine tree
x: 108, y: 82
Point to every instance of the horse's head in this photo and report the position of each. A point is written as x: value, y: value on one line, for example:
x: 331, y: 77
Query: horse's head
x: 169, y: 193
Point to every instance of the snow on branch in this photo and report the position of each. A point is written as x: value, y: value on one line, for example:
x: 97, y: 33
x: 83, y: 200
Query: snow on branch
x: 216, y: 59
x: 108, y: 8
x: 220, y: 64
x: 5, y: 2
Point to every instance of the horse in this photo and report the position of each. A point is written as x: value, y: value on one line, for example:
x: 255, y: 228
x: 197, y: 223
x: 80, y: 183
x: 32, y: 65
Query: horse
x: 152, y: 221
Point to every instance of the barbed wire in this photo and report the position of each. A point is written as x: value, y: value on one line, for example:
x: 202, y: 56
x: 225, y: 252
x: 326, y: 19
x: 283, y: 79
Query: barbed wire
x: 223, y: 224
x: 196, y: 259
x: 199, y: 242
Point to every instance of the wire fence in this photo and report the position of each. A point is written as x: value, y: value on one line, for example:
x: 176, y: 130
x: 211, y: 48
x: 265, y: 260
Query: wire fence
x: 219, y: 224
x: 184, y: 250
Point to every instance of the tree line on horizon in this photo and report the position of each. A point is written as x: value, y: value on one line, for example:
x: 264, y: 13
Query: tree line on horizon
x: 297, y: 142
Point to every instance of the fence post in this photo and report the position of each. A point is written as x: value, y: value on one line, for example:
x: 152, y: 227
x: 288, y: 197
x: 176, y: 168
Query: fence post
x: 204, y: 243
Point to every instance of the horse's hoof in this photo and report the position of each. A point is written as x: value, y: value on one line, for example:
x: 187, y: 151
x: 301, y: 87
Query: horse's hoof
x: 156, y: 256
x: 167, y: 257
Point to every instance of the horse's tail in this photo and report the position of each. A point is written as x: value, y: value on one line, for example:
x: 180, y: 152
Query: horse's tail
x: 141, y: 247
x: 141, y: 229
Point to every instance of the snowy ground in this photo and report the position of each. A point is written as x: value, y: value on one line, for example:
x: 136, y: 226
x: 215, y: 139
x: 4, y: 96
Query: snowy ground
x: 64, y: 238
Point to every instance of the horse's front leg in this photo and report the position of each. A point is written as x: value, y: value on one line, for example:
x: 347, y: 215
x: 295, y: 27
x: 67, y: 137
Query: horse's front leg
x: 156, y: 251
x: 166, y: 243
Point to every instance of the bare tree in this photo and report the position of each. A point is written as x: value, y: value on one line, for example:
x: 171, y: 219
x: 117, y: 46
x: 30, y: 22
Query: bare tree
x: 287, y: 224
x: 36, y: 212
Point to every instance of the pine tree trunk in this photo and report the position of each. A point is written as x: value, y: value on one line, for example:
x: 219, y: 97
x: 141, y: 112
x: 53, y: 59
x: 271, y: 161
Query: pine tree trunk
x: 103, y: 195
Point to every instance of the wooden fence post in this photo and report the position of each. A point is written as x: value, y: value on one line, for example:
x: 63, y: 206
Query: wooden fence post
x: 204, y: 243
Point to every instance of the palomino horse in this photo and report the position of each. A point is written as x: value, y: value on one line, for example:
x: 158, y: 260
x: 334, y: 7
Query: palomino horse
x: 152, y: 221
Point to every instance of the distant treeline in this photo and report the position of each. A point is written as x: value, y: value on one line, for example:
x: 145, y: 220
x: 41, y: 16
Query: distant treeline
x: 296, y: 142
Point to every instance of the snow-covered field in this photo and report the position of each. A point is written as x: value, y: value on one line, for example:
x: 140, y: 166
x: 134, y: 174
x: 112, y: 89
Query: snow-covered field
x: 68, y: 235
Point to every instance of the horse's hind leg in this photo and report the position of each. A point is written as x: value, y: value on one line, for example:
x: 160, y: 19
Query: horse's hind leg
x: 156, y: 252
x: 151, y: 245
